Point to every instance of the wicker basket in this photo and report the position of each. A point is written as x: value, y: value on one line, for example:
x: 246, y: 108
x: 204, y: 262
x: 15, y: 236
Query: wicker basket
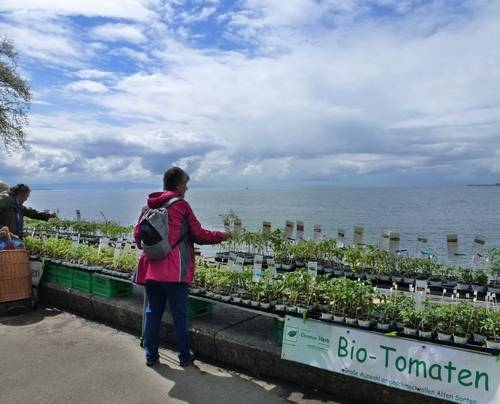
x: 15, y: 275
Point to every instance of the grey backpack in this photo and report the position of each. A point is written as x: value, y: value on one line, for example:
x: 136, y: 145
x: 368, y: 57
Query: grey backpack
x: 153, y: 230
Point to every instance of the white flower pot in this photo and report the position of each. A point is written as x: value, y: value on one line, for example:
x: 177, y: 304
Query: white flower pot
x: 478, y: 338
x: 459, y: 339
x: 364, y: 323
x: 326, y: 316
x: 338, y: 319
x: 264, y: 305
x: 425, y: 334
x: 492, y: 344
x: 409, y: 331
x: 444, y: 337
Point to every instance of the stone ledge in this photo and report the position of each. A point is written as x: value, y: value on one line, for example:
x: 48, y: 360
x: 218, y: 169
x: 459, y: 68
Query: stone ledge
x: 233, y: 337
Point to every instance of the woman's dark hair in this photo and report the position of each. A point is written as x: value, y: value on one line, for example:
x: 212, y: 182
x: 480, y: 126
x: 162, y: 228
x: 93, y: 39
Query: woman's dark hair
x: 173, y: 177
x: 19, y: 189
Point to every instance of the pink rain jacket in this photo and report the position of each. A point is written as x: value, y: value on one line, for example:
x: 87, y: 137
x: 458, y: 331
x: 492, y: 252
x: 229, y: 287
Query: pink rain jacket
x: 179, y: 265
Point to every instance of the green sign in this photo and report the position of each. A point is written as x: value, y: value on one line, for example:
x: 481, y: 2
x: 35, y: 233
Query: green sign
x: 443, y: 372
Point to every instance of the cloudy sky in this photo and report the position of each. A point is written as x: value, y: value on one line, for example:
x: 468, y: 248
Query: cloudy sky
x: 258, y: 92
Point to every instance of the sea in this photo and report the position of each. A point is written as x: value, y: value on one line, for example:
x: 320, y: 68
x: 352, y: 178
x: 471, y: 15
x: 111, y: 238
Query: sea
x: 469, y: 212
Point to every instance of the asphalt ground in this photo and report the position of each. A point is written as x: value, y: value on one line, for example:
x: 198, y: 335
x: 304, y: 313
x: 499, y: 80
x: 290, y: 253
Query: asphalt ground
x: 51, y: 356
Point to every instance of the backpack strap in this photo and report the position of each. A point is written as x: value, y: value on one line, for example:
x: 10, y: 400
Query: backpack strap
x: 170, y: 202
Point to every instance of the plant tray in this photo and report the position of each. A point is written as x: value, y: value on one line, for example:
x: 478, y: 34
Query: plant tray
x: 15, y: 275
x: 108, y: 287
x: 199, y: 308
x: 82, y: 280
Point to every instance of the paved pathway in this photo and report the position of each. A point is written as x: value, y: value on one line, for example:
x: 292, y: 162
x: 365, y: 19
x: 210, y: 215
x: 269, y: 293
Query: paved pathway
x: 50, y: 356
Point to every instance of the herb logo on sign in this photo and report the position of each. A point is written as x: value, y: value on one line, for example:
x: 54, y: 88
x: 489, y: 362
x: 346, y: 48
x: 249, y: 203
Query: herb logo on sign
x: 291, y: 333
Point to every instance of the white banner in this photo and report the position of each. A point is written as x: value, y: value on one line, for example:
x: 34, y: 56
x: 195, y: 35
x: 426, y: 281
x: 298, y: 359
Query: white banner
x: 438, y: 371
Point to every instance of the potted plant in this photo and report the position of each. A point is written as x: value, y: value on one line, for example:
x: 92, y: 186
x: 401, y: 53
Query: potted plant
x: 462, y: 317
x: 427, y: 320
x: 409, y: 316
x: 479, y: 281
x: 444, y: 321
x: 490, y: 328
x: 464, y: 278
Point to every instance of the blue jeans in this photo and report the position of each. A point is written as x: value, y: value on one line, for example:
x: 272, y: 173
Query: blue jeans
x: 177, y: 295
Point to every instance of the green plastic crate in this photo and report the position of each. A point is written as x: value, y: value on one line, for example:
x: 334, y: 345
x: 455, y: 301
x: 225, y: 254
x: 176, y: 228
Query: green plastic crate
x: 199, y: 308
x: 60, y: 274
x: 278, y: 325
x: 82, y: 280
x: 108, y: 287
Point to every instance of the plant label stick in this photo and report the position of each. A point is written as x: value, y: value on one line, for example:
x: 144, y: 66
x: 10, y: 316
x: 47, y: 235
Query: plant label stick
x: 271, y: 266
x: 103, y: 243
x: 420, y: 292
x: 238, y: 264
x: 257, y: 268
x: 118, y: 250
x: 300, y: 230
x: 452, y: 247
x: 477, y: 251
x: 75, y: 239
x: 393, y: 242
x: 266, y: 227
x: 231, y: 260
x: 237, y: 225
x: 421, y: 248
x: 289, y: 229
x: 317, y: 233
x: 341, y: 237
x: 383, y: 244
x: 312, y: 268
x: 358, y: 235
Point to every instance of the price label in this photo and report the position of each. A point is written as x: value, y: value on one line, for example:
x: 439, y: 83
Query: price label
x: 266, y: 227
x: 257, y: 268
x: 271, y: 266
x: 312, y: 268
x: 289, y: 229
x: 300, y: 230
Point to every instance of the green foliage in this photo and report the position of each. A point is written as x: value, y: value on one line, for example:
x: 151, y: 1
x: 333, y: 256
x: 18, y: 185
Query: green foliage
x: 83, y: 227
x: 15, y: 98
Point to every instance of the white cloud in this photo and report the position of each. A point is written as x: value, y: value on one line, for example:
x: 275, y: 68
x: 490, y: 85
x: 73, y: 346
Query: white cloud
x: 88, y: 86
x: 129, y: 9
x: 312, y: 91
x: 118, y: 32
x: 199, y: 15
x: 93, y: 74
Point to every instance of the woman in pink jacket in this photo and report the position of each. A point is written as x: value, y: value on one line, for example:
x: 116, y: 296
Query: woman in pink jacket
x: 169, y: 278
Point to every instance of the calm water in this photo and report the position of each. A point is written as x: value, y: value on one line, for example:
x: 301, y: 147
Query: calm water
x: 431, y: 212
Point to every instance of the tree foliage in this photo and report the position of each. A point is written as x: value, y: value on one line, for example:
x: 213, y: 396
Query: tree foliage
x: 15, y: 99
